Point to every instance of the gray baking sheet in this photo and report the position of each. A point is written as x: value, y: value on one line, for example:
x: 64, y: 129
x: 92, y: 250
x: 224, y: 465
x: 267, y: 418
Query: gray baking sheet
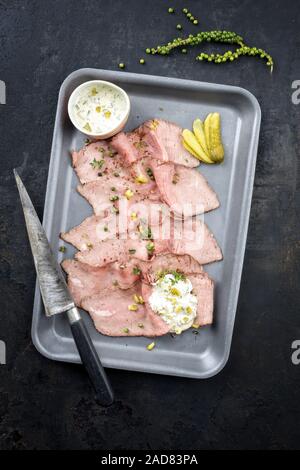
x: 181, y: 101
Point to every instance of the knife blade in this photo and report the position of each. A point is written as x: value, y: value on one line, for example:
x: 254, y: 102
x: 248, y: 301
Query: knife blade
x: 57, y: 298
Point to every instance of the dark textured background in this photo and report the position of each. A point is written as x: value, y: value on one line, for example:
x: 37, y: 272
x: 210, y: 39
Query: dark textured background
x: 255, y: 401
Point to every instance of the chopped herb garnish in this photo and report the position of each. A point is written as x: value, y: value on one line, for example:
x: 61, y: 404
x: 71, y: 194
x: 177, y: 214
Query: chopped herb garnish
x: 150, y: 247
x: 136, y: 270
x: 62, y: 249
x: 115, y: 210
x: 101, y: 149
x: 125, y: 330
x: 140, y: 144
x: 97, y: 164
x: 116, y: 174
x: 145, y: 232
x: 132, y: 251
x: 150, y: 173
x: 94, y: 91
x: 178, y: 276
x: 151, y: 346
x: 114, y: 198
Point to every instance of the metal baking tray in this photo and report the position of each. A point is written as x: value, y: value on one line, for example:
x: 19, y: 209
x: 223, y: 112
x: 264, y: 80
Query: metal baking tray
x: 181, y: 101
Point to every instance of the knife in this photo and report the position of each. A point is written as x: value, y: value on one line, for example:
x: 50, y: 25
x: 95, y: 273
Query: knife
x: 57, y: 298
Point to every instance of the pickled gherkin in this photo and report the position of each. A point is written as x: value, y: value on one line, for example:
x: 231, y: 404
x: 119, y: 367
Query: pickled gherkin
x: 205, y: 143
x: 198, y: 129
x: 192, y: 142
x: 215, y: 139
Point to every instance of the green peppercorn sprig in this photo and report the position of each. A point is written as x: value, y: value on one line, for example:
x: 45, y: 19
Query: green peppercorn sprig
x: 189, y: 16
x: 233, y: 55
x: 227, y: 37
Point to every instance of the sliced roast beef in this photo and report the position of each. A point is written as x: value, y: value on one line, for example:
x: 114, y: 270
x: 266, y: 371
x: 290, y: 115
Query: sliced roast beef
x: 169, y: 262
x: 163, y: 141
x: 108, y: 251
x: 112, y: 314
x: 107, y: 193
x: 203, y: 288
x: 185, y: 190
x: 194, y: 238
x: 93, y: 230
x: 159, y: 139
x: 85, y: 280
x: 95, y: 160
x: 127, y: 145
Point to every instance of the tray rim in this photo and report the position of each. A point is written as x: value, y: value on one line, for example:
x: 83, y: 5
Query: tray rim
x: 245, y: 216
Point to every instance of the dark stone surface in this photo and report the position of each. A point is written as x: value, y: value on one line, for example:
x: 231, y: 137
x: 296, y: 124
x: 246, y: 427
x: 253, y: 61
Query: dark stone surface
x: 254, y: 402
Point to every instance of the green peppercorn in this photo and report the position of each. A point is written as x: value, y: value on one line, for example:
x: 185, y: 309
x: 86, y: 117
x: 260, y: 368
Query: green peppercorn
x: 142, y: 61
x: 195, y: 22
x: 170, y: 10
x: 148, y: 51
x: 121, y: 65
x: 179, y: 26
x: 184, y: 51
x: 185, y: 10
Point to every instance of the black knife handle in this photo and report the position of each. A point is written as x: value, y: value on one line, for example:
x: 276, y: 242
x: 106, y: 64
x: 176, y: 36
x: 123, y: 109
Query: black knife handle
x: 92, y: 363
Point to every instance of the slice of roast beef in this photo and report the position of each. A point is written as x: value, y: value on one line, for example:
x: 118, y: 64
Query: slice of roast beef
x: 123, y: 225
x: 185, y: 190
x: 169, y: 262
x: 95, y: 160
x: 193, y: 237
x: 109, y: 251
x: 163, y: 141
x: 107, y: 193
x: 111, y: 314
x: 203, y: 288
x: 156, y: 138
x: 85, y: 280
x: 93, y: 230
x: 127, y: 145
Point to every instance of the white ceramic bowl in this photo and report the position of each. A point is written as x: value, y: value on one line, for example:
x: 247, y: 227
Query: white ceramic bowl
x: 115, y: 128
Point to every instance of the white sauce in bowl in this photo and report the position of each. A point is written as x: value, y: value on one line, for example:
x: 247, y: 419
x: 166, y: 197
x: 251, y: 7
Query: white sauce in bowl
x: 173, y: 300
x: 97, y: 107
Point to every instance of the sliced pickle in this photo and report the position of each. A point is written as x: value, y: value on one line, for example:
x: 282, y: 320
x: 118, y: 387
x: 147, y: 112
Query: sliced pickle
x: 193, y: 143
x: 207, y: 130
x: 198, y: 129
x: 215, y: 139
x: 189, y: 149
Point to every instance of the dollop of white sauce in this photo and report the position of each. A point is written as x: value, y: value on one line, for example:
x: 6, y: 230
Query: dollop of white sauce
x: 173, y: 300
x: 99, y: 108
